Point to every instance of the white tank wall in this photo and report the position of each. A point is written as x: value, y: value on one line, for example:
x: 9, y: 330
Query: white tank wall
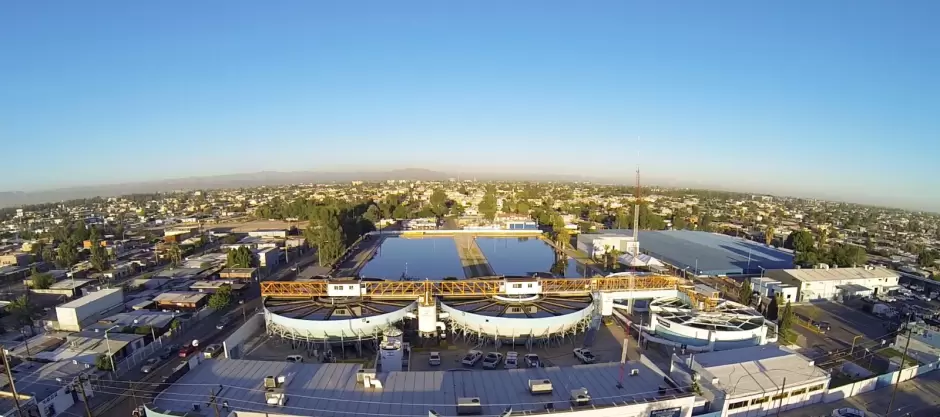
x: 506, y: 326
x: 705, y: 335
x: 365, y: 326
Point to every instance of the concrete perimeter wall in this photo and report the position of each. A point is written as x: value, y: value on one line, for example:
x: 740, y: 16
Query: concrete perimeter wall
x: 236, y: 341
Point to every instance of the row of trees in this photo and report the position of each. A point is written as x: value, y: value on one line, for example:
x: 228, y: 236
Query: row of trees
x: 808, y: 252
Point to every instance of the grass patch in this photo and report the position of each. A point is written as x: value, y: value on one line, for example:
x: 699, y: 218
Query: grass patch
x: 892, y: 353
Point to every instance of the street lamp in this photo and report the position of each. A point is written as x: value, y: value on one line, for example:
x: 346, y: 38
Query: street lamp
x: 108, y: 342
x: 761, y: 271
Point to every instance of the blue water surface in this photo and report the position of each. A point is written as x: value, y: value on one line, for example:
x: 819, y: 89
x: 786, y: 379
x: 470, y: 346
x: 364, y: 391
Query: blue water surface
x: 431, y: 258
x: 522, y: 256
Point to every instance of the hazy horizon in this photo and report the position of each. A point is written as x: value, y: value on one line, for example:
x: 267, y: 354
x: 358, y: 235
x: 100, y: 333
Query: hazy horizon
x: 834, y: 100
x: 221, y: 181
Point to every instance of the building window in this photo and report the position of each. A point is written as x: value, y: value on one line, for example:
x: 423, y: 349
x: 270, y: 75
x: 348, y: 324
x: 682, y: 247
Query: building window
x: 739, y: 404
x: 816, y: 387
x: 760, y: 400
x: 780, y: 396
x: 530, y: 285
x: 352, y: 287
x: 800, y: 391
x: 517, y: 285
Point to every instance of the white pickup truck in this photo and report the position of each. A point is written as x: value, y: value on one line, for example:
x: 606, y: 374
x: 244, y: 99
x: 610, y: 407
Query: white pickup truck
x: 584, y: 355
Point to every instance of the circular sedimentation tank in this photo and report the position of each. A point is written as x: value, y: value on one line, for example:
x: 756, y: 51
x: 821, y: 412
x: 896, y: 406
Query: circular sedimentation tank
x: 515, y: 317
x: 729, y: 325
x: 334, y: 318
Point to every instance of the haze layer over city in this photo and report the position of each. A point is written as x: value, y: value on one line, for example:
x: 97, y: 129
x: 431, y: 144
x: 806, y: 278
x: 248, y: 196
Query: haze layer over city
x: 389, y: 209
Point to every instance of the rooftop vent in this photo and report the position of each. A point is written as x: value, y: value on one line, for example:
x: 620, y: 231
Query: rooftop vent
x: 580, y: 397
x: 634, y: 372
x: 469, y: 405
x: 540, y: 386
x: 811, y: 363
x: 362, y: 374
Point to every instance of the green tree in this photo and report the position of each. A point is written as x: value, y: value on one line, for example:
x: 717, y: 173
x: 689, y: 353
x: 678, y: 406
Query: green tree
x: 241, y: 258
x: 67, y: 254
x: 175, y: 254
x: 103, y: 363
x: 785, y: 323
x: 438, y: 202
x: 745, y: 292
x: 99, y: 256
x: 488, y: 206
x: 373, y: 214
x: 230, y: 239
x: 560, y: 266
x: 679, y: 222
x: 705, y: 223
x: 773, y: 309
x: 24, y: 311
x: 222, y: 298
x: 926, y: 258
x: 41, y: 280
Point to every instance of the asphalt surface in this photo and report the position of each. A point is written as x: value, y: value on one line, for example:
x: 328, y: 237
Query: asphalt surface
x: 135, y: 386
x: 918, y: 397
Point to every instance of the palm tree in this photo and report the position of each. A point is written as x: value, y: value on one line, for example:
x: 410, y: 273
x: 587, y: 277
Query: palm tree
x: 24, y: 311
x: 175, y: 254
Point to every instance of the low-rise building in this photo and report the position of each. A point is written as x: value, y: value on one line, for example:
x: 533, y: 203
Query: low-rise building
x: 73, y: 315
x: 827, y: 283
x: 269, y: 257
x: 239, y: 273
x: 67, y: 287
x: 181, y: 300
x: 45, y: 388
x: 269, y: 233
x: 754, y: 381
x: 15, y: 259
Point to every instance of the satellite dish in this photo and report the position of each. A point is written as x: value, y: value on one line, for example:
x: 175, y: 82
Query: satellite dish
x: 196, y: 342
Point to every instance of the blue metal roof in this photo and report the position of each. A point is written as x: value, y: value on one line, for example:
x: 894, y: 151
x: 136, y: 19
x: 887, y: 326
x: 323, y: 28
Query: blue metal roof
x: 716, y: 254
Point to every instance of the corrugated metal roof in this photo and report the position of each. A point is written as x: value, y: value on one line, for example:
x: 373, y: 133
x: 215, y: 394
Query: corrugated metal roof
x: 839, y: 274
x: 716, y: 254
x: 331, y: 389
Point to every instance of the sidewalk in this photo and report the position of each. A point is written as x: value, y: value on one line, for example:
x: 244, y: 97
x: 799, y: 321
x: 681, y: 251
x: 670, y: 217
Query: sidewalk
x: 918, y: 397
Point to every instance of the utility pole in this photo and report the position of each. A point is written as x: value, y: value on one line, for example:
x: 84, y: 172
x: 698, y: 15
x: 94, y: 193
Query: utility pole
x: 783, y: 388
x: 81, y: 389
x: 901, y: 368
x: 16, y: 397
x: 214, y: 402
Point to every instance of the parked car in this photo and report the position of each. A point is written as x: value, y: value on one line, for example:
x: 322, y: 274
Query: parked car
x: 532, y: 360
x: 212, y: 351
x: 186, y: 350
x: 584, y: 355
x: 472, y: 357
x: 492, y: 360
x: 434, y: 359
x: 168, y: 352
x: 512, y: 360
x: 150, y: 365
x: 295, y: 358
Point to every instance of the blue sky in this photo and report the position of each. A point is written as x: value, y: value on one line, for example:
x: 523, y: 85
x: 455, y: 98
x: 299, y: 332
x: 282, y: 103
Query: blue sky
x: 836, y: 99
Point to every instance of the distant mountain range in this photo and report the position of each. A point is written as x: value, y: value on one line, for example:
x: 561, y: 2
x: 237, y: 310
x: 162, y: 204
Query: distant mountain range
x: 17, y: 198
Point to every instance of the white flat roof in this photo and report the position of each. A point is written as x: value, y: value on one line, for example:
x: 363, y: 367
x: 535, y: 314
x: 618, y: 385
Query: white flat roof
x: 90, y: 298
x: 757, y: 369
x: 331, y: 389
x: 839, y: 274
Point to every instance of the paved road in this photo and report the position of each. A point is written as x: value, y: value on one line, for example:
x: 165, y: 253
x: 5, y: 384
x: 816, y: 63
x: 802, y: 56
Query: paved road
x: 918, y: 397
x: 207, y: 334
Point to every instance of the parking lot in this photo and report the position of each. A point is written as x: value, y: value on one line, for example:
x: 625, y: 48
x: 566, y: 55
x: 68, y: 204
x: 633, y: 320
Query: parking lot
x: 606, y: 346
x: 845, y: 324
